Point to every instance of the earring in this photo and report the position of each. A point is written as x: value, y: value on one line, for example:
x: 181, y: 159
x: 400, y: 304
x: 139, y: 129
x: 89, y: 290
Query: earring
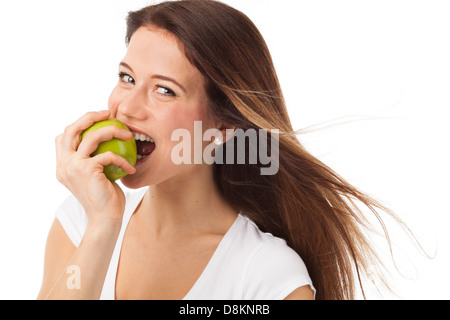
x: 218, y: 141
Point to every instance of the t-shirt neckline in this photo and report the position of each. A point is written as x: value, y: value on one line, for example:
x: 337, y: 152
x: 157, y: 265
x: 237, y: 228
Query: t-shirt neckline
x: 223, y: 244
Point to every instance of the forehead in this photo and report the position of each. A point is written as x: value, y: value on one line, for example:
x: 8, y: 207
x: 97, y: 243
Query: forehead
x: 156, y: 51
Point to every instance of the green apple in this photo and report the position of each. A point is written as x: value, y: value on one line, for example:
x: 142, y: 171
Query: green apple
x: 124, y: 148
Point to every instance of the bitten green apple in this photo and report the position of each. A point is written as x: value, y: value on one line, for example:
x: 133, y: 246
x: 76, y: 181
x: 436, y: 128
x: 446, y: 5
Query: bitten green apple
x: 124, y: 148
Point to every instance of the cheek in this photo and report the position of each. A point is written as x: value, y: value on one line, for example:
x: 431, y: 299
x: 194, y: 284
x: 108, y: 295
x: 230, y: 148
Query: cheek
x: 181, y: 117
x: 170, y: 122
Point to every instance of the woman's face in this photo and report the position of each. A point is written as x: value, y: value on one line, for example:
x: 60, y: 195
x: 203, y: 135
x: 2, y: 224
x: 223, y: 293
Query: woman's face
x: 158, y: 92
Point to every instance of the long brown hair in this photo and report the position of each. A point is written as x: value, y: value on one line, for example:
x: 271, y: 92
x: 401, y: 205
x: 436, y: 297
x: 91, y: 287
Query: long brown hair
x: 306, y: 203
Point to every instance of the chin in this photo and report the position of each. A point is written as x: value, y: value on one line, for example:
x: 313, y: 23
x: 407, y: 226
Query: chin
x: 144, y: 178
x: 141, y: 180
x: 133, y: 182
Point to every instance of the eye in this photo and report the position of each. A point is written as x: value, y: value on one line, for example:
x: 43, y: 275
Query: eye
x: 164, y: 91
x: 126, y: 78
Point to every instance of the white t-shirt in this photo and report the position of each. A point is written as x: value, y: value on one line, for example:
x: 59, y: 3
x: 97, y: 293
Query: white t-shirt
x: 247, y: 265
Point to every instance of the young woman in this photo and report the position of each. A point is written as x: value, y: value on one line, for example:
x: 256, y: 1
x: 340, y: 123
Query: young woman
x: 197, y: 230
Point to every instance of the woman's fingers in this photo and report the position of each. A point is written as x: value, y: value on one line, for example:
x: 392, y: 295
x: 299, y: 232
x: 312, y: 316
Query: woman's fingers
x: 71, y: 137
x: 109, y: 157
x: 93, y: 138
x: 58, y: 145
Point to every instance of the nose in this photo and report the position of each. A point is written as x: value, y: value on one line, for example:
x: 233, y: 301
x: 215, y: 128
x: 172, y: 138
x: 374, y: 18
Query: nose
x: 131, y: 104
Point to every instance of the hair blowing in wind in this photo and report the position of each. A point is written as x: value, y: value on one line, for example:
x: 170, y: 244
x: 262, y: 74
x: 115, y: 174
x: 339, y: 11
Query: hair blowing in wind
x: 317, y: 212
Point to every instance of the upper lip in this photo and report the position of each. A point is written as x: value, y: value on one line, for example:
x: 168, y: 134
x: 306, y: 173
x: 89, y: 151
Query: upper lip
x: 137, y: 130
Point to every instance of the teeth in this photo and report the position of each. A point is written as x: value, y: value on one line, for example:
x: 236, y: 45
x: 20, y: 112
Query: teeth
x: 142, y: 137
x: 140, y: 156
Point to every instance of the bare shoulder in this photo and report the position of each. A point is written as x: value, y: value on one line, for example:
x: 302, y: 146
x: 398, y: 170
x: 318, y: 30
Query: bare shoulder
x: 58, y: 251
x: 301, y: 293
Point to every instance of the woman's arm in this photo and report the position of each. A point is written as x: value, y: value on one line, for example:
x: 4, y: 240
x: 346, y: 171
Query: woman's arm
x: 77, y: 273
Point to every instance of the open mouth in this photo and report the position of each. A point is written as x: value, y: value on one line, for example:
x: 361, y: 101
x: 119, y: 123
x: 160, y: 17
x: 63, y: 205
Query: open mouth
x: 144, y: 145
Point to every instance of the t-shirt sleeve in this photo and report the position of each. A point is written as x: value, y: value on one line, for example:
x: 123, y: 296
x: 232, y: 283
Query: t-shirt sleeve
x: 274, y: 272
x: 73, y: 219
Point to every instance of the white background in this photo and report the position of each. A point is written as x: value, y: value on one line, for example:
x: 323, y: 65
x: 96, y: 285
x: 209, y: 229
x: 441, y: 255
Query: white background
x: 383, y: 63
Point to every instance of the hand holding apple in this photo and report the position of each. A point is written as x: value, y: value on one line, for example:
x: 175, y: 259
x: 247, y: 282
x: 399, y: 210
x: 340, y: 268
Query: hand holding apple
x: 83, y: 173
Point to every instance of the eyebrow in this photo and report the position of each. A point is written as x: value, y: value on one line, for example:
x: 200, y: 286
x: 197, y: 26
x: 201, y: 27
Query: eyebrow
x: 156, y: 76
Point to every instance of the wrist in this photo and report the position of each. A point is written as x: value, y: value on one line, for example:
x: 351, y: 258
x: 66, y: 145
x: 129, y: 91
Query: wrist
x: 104, y: 229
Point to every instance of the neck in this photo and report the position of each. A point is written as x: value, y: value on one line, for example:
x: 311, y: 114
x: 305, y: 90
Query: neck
x: 187, y: 206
